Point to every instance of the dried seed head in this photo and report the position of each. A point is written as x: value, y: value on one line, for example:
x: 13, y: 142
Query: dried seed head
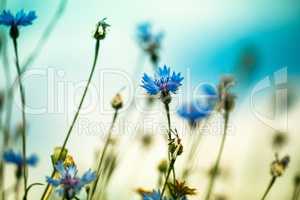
x: 279, y: 166
x: 101, y: 29
x: 117, y: 102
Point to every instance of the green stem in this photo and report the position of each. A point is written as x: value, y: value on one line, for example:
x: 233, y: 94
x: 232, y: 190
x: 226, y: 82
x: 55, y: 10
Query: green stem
x: 269, y: 188
x: 22, y: 93
x: 169, y: 138
x: 98, y: 172
x: 217, y: 164
x: 97, y: 46
x: 171, y: 166
x: 296, y: 193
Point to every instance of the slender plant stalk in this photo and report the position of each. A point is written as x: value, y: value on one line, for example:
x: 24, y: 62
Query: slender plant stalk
x: 98, y: 171
x: 17, y: 189
x: 217, y: 164
x: 22, y: 93
x: 171, y: 167
x: 97, y: 47
x: 169, y: 137
x: 269, y: 188
x: 296, y: 192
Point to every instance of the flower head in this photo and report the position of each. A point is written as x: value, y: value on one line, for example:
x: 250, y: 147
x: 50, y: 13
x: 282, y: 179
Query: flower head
x: 101, y: 29
x: 279, y: 166
x: 194, y: 112
x: 69, y: 184
x: 21, y: 18
x: 17, y: 159
x: 180, y: 190
x: 163, y: 82
x: 150, y: 42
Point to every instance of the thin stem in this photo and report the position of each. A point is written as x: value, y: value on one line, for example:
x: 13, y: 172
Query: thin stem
x: 294, y: 197
x: 171, y: 166
x: 17, y: 189
x: 97, y: 47
x: 216, y: 166
x: 169, y: 138
x: 269, y: 188
x: 22, y: 93
x: 296, y: 193
x: 98, y: 172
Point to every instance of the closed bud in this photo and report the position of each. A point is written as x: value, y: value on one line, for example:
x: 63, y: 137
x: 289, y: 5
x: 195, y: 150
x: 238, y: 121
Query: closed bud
x: 279, y: 166
x: 163, y: 166
x: 58, y: 156
x: 117, y: 102
x: 101, y: 29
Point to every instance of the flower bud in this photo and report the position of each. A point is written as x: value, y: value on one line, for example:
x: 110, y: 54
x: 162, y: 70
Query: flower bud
x: 279, y: 166
x: 117, y: 102
x: 56, y: 153
x: 163, y: 166
x: 101, y: 30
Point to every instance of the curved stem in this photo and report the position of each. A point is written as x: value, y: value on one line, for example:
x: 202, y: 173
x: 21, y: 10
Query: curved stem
x: 22, y: 93
x: 97, y: 47
x: 216, y: 166
x: 269, y: 188
x: 98, y: 172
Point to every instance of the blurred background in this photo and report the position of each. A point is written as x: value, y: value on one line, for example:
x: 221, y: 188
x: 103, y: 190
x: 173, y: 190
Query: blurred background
x: 256, y: 41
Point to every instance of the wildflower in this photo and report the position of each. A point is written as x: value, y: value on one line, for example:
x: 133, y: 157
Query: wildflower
x: 20, y: 19
x: 163, y: 82
x: 69, y: 184
x: 101, y: 29
x: 17, y: 159
x: 279, y: 166
x: 149, y: 41
x: 117, y: 102
x: 179, y: 190
x: 194, y: 112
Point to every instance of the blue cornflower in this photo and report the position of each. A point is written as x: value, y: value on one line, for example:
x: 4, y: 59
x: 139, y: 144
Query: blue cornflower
x: 194, y: 111
x: 69, y: 184
x: 163, y: 82
x: 14, y: 21
x: 20, y: 19
x: 154, y: 195
x: 201, y: 107
x: 17, y: 159
x: 149, y: 41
